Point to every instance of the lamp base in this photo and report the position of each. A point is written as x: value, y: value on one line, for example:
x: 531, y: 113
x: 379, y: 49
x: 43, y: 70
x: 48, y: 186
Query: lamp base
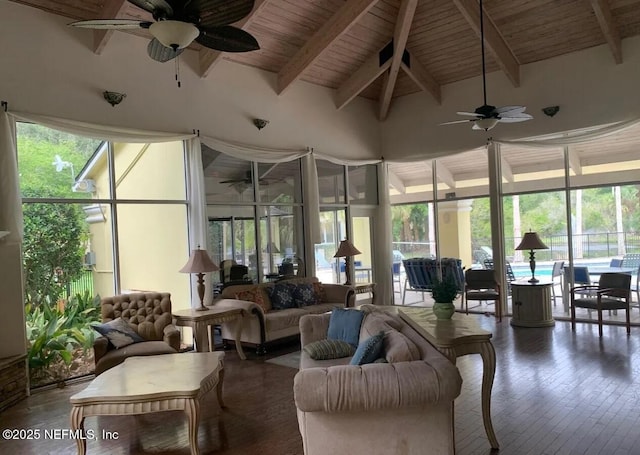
x: 202, y: 308
x: 534, y: 280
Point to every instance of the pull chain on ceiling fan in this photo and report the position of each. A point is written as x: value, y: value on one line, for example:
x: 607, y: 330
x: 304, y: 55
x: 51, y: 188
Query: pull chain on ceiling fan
x: 487, y: 116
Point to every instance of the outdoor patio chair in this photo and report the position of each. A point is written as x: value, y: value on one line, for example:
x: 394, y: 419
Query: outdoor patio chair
x: 613, y: 292
x: 508, y: 272
x: 481, y: 285
x: 556, y: 272
x: 133, y: 325
x: 418, y: 280
x: 632, y: 260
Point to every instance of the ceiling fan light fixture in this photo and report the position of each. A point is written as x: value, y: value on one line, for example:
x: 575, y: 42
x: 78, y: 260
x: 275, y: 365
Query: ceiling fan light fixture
x: 486, y: 123
x: 174, y: 34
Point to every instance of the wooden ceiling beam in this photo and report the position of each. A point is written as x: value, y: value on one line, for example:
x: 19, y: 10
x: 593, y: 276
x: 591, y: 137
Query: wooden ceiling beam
x: 423, y: 79
x: 400, y: 36
x: 361, y: 79
x: 493, y: 40
x: 608, y: 27
x: 209, y: 58
x: 111, y: 10
x: 445, y: 175
x: 396, y: 182
x: 574, y: 161
x: 340, y: 22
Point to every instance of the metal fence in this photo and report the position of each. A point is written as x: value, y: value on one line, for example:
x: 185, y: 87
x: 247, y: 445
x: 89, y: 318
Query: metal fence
x: 81, y: 285
x: 585, y: 246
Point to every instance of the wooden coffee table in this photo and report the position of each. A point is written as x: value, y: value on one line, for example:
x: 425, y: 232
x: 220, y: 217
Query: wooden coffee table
x: 142, y: 385
x: 456, y: 337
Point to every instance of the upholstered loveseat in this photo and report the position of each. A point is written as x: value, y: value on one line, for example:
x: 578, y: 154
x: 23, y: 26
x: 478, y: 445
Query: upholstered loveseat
x: 402, y: 406
x: 148, y: 316
x: 264, y: 322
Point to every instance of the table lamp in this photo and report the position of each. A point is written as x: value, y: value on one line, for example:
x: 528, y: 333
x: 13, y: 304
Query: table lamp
x: 532, y: 242
x: 199, y: 263
x: 346, y: 250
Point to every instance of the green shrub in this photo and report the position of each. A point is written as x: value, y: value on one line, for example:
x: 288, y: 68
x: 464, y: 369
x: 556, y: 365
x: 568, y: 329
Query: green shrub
x: 444, y: 291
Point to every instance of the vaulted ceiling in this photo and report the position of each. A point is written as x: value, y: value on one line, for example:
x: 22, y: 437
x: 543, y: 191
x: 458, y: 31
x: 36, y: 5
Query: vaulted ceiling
x: 382, y: 49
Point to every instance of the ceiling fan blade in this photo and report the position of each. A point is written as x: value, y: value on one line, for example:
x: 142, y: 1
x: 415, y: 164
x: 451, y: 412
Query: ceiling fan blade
x: 214, y: 13
x: 510, y: 109
x: 227, y: 39
x: 161, y: 53
x: 457, y: 121
x: 111, y: 24
x: 520, y: 118
x: 473, y: 114
x: 159, y: 8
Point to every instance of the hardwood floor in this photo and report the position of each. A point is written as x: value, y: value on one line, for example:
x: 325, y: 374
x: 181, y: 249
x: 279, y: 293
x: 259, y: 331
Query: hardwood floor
x: 555, y: 392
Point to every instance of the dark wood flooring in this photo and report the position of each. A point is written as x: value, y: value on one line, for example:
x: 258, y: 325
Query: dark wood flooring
x: 555, y: 392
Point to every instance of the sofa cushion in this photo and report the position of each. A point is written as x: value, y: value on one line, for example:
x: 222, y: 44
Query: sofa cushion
x: 329, y: 349
x: 118, y: 332
x: 283, y: 319
x: 369, y: 350
x: 345, y: 325
x: 399, y: 348
x: 256, y: 294
x: 372, y: 325
x: 282, y: 296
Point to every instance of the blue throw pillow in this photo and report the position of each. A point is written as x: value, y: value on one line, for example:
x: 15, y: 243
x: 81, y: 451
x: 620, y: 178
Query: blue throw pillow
x: 369, y: 350
x: 281, y: 296
x: 345, y: 325
x: 304, y: 295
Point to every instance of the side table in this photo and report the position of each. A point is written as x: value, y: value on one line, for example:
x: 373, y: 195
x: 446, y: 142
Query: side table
x: 200, y: 321
x: 531, y: 304
x: 364, y: 288
x: 456, y: 337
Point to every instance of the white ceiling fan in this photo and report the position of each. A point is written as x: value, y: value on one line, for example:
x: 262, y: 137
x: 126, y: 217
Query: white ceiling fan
x: 486, y: 116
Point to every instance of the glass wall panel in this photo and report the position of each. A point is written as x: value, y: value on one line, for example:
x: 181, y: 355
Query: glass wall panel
x: 278, y: 231
x: 333, y: 229
x: 330, y: 182
x: 232, y: 235
x: 152, y: 248
x: 280, y: 183
x: 227, y: 179
x: 363, y: 184
x: 362, y: 240
x: 49, y: 162
x: 150, y: 171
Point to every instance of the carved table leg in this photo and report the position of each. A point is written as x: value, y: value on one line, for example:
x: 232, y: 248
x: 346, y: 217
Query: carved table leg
x: 489, y: 370
x: 192, y: 409
x: 219, y: 388
x: 238, y: 334
x: 77, y: 423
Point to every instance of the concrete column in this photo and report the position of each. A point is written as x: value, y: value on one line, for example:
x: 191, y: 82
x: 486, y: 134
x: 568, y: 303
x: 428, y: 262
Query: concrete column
x: 454, y: 230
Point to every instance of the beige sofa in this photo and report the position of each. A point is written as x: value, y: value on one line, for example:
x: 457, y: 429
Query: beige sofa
x: 260, y: 327
x: 401, y: 407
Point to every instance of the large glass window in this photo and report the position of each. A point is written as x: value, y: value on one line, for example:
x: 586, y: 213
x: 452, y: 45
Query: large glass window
x: 73, y: 223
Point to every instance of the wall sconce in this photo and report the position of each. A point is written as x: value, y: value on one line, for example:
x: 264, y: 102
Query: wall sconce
x: 260, y: 123
x: 113, y: 98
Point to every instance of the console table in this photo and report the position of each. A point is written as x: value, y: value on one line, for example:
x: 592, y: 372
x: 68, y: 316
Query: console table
x: 456, y: 337
x: 200, y: 321
x: 531, y: 304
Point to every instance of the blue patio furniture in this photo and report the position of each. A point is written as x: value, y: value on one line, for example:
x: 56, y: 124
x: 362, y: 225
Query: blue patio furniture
x: 632, y: 260
x: 422, y: 272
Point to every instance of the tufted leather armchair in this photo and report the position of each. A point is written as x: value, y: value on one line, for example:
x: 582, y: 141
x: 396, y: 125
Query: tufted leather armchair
x: 149, y: 314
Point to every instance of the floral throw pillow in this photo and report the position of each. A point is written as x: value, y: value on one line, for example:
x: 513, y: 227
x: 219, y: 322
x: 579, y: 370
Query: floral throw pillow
x: 282, y: 296
x: 118, y: 332
x: 319, y: 291
x: 304, y: 295
x: 256, y: 295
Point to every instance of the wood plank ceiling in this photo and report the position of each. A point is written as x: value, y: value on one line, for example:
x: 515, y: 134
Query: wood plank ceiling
x: 382, y: 49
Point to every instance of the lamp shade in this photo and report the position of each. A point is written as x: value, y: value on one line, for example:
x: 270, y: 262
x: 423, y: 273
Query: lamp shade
x: 345, y: 249
x: 531, y: 241
x: 199, y: 262
x: 174, y: 34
